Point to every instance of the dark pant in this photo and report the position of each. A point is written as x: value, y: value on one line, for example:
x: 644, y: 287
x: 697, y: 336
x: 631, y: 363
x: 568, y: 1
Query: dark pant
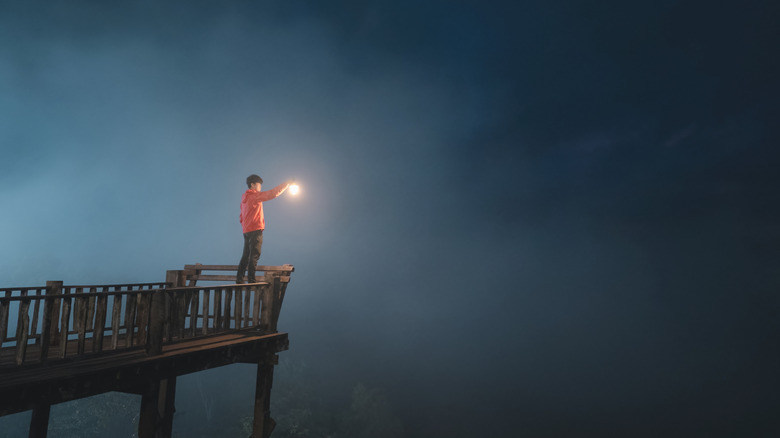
x: 253, y: 243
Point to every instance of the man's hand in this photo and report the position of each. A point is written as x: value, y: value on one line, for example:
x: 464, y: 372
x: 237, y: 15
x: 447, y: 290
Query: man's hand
x: 292, y: 186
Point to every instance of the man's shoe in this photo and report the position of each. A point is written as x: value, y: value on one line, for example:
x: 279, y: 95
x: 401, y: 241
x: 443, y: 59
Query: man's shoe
x: 239, y: 281
x: 252, y: 280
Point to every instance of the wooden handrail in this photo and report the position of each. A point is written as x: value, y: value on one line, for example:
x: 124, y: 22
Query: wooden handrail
x: 59, y: 322
x: 194, y: 273
x: 234, y: 268
x: 157, y: 285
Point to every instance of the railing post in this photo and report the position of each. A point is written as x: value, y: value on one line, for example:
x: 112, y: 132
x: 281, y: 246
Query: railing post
x: 50, y: 319
x: 175, y: 278
x: 157, y: 318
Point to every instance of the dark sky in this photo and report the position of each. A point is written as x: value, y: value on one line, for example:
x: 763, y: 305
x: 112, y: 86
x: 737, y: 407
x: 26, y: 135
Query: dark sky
x: 519, y: 218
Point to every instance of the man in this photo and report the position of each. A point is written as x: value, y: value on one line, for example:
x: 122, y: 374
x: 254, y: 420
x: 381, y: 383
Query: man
x: 253, y: 223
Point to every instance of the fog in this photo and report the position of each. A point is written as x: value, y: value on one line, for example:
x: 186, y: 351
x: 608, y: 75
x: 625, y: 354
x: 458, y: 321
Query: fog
x: 514, y: 219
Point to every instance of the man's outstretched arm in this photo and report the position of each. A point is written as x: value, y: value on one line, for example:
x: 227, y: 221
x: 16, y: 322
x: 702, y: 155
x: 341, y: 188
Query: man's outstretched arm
x: 275, y: 192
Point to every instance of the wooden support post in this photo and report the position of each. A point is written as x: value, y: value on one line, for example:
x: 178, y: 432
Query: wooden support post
x: 157, y: 409
x: 263, y: 424
x: 39, y: 423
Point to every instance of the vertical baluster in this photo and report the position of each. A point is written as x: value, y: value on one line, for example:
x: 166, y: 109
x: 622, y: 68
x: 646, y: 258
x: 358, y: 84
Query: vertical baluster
x: 100, y: 321
x: 239, y: 306
x: 126, y: 321
x: 36, y: 309
x: 169, y: 314
x: 276, y: 302
x: 194, y: 312
x: 206, y: 310
x: 142, y: 320
x: 228, y: 304
x: 256, y: 291
x: 181, y: 305
x: 218, y: 309
x: 131, y: 321
x: 65, y: 322
x: 4, y: 308
x: 55, y: 315
x: 247, y: 297
x: 22, y: 293
x: 116, y: 315
x: 147, y: 302
x: 90, y: 319
x: 23, y: 328
x: 265, y: 312
x: 80, y: 315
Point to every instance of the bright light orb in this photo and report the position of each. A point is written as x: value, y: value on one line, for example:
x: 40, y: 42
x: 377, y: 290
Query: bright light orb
x: 294, y: 189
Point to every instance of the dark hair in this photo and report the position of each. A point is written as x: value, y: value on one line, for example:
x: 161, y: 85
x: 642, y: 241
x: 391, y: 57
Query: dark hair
x: 251, y: 179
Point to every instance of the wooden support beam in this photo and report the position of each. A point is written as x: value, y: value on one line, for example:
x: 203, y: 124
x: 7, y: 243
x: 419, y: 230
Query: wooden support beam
x: 157, y: 409
x: 263, y: 424
x: 39, y: 422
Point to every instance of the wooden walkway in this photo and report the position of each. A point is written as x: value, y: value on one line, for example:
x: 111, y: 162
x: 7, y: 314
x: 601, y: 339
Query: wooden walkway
x: 61, y: 343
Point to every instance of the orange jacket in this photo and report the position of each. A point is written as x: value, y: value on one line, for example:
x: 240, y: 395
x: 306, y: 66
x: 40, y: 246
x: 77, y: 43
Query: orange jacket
x: 251, y: 216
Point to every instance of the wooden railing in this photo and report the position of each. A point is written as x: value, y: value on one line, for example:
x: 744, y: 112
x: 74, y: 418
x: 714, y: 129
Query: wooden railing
x: 39, y: 324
